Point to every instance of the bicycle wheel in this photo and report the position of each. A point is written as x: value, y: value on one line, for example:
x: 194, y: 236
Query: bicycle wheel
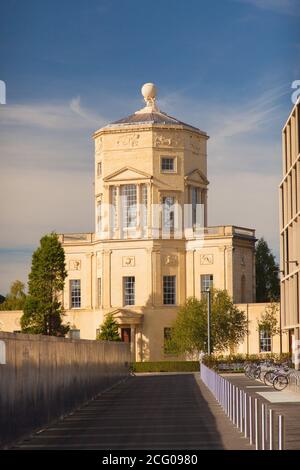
x: 280, y: 382
x: 262, y: 375
x: 268, y: 378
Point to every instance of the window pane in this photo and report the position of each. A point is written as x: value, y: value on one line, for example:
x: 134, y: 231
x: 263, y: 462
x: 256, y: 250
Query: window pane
x: 98, y: 217
x: 167, y: 164
x: 168, y: 212
x: 265, y: 344
x: 129, y: 205
x: 195, y: 201
x: 144, y: 211
x: 99, y: 168
x: 129, y: 290
x: 114, y: 207
x: 206, y: 282
x: 169, y: 290
x: 75, y: 289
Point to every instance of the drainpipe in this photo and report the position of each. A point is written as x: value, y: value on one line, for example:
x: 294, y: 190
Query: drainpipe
x: 247, y: 307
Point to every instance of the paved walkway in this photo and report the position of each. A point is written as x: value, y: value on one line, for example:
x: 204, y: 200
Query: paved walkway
x: 286, y: 403
x: 148, y: 411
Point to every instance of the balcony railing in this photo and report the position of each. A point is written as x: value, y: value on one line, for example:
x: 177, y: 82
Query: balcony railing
x: 76, y: 238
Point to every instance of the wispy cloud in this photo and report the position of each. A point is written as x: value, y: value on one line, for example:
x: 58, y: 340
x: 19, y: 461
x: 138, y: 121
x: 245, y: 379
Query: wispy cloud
x: 59, y: 116
x: 287, y: 7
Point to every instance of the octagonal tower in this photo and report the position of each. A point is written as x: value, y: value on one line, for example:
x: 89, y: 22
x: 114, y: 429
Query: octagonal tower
x: 158, y: 154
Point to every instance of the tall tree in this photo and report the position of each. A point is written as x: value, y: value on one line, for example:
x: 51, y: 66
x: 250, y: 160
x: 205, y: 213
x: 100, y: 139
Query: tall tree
x: 189, y: 332
x: 267, y: 273
x: 109, y: 329
x: 16, y: 297
x: 268, y: 320
x: 43, y: 313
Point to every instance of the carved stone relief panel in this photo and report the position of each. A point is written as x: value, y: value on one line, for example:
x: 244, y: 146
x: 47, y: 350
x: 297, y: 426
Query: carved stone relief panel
x: 166, y: 139
x: 128, y: 140
x: 207, y: 259
x: 128, y: 261
x: 170, y: 260
x: 74, y: 265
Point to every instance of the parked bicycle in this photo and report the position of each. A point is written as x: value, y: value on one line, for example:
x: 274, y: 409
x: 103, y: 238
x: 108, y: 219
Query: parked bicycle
x: 278, y: 377
x: 275, y: 375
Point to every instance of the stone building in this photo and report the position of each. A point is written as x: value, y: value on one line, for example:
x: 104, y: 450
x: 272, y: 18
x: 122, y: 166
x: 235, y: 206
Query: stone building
x: 152, y: 246
x: 142, y: 261
x: 290, y: 227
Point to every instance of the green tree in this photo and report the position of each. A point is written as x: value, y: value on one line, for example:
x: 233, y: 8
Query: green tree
x: 267, y: 273
x: 109, y: 329
x: 189, y: 332
x: 43, y: 313
x: 16, y: 297
x: 268, y: 320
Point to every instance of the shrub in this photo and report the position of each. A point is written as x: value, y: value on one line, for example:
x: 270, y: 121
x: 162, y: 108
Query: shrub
x: 166, y: 366
x: 214, y: 361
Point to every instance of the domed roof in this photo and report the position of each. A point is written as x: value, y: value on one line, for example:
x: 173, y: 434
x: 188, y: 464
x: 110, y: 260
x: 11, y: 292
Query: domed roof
x: 153, y: 117
x: 150, y: 114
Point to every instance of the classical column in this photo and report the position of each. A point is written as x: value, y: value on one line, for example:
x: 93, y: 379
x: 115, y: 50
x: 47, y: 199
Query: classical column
x: 190, y: 273
x: 181, y: 273
x: 140, y: 343
x: 132, y: 342
x: 107, y: 279
x: 156, y: 277
x: 204, y: 195
x: 89, y: 283
x: 138, y: 210
x: 117, y: 220
x: 149, y: 210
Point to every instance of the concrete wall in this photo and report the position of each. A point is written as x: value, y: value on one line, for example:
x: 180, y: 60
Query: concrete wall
x: 45, y: 377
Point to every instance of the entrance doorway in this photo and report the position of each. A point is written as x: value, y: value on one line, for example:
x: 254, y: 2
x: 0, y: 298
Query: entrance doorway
x: 126, y: 335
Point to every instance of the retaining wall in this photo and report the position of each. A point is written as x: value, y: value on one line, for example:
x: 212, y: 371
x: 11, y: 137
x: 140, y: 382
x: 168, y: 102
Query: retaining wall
x: 42, y: 378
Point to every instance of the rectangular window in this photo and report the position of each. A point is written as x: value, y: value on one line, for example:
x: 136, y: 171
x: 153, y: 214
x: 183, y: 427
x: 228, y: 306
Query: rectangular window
x: 195, y: 201
x: 168, y: 164
x: 168, y: 212
x: 265, y: 341
x: 99, y: 168
x: 144, y: 213
x: 75, y: 289
x: 129, y: 290
x: 169, y: 290
x: 207, y: 281
x: 129, y: 202
x: 98, y: 217
x: 114, y: 207
x: 99, y: 297
x: 167, y: 337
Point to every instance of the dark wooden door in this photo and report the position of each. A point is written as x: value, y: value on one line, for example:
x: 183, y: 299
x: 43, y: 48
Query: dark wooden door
x: 126, y: 335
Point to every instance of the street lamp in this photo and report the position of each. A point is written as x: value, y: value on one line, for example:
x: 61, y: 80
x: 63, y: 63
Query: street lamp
x: 208, y: 293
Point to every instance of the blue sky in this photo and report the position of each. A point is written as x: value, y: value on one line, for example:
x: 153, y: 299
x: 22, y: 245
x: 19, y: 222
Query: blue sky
x: 225, y: 66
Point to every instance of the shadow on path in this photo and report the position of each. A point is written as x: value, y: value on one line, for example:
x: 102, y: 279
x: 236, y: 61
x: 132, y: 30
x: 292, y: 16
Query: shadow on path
x: 145, y: 412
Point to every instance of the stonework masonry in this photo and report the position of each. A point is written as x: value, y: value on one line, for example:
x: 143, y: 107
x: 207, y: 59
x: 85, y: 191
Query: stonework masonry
x: 128, y: 266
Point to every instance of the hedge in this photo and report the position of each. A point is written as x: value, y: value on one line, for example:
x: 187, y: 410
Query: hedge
x: 215, y: 361
x: 166, y: 366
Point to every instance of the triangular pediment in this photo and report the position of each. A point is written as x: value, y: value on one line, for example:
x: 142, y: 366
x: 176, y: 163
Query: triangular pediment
x: 196, y: 176
x: 128, y: 174
x: 124, y: 315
